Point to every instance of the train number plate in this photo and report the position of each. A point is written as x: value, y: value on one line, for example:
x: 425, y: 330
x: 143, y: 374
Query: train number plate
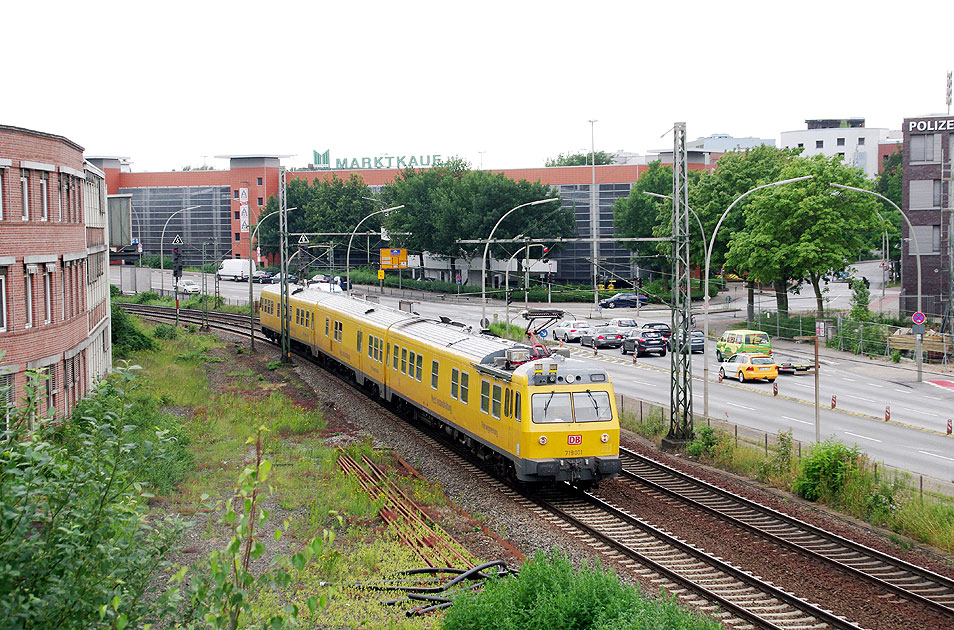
x: 574, y: 439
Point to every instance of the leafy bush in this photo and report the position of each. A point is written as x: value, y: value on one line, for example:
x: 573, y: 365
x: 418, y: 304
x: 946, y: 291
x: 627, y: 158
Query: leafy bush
x: 78, y: 550
x: 549, y: 593
x: 146, y: 297
x: 705, y: 442
x: 165, y: 331
x: 114, y: 291
x: 780, y: 465
x: 126, y: 335
x: 896, y: 356
x: 825, y: 471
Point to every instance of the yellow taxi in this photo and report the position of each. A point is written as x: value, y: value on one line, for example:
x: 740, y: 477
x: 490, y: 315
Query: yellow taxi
x: 746, y: 366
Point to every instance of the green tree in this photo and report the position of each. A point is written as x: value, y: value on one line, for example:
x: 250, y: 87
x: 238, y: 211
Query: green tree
x: 888, y: 184
x: 580, y: 159
x: 451, y: 202
x: 803, y: 230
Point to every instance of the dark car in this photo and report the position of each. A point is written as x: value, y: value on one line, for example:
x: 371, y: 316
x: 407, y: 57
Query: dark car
x: 661, y: 327
x: 643, y: 341
x: 697, y: 341
x: 623, y: 300
x: 601, y: 337
x: 262, y: 277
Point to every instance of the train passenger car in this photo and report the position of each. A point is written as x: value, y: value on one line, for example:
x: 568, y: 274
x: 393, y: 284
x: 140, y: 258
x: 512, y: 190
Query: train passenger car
x: 549, y: 418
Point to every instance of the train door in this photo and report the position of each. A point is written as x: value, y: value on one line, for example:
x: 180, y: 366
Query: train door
x: 509, y: 433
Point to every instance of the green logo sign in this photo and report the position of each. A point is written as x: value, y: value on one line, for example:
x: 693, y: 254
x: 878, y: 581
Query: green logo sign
x: 323, y: 161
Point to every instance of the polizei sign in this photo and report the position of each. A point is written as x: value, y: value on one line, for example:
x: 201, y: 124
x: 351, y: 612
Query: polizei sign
x: 931, y: 124
x: 323, y: 160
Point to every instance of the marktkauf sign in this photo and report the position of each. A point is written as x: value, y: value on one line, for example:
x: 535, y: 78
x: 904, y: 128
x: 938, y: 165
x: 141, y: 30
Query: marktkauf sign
x: 323, y: 160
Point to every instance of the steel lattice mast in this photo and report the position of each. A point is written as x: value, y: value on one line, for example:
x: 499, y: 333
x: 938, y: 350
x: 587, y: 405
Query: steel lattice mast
x: 283, y: 256
x: 680, y: 391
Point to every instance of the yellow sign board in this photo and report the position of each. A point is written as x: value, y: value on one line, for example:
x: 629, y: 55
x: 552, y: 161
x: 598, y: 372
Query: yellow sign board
x: 380, y: 274
x: 393, y: 259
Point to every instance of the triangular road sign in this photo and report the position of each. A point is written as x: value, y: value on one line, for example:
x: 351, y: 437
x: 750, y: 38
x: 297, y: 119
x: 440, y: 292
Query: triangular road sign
x: 177, y: 240
x: 302, y: 240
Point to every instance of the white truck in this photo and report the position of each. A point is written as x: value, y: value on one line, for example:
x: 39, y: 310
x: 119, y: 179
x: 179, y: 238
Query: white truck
x: 235, y: 269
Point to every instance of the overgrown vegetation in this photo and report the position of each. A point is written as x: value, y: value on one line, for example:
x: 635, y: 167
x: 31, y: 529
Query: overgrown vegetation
x: 549, y: 593
x: 127, y: 336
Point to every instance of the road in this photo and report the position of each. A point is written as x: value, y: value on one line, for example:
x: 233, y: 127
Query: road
x: 913, y: 440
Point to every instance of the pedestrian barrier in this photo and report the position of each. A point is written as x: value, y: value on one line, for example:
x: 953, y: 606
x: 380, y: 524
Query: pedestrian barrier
x: 634, y: 358
x: 595, y: 352
x: 834, y: 401
x: 948, y: 426
x: 775, y: 389
x: 887, y: 413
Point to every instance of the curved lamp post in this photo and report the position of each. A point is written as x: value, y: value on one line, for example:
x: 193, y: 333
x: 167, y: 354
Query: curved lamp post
x: 348, y: 253
x: 917, y: 257
x: 507, y: 278
x: 698, y: 222
x: 251, y: 298
x: 162, y: 247
x: 483, y: 260
x: 715, y: 232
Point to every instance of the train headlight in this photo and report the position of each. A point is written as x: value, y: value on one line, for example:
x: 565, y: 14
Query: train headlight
x: 542, y: 440
x: 604, y: 438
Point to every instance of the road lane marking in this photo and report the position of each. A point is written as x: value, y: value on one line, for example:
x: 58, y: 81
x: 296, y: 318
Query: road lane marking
x: 797, y: 420
x: 859, y: 398
x: 931, y: 397
x: 863, y: 437
x: 920, y: 411
x: 903, y: 391
x: 741, y: 406
x: 802, y: 385
x: 873, y: 385
x: 848, y: 379
x: 641, y: 382
x: 939, y: 456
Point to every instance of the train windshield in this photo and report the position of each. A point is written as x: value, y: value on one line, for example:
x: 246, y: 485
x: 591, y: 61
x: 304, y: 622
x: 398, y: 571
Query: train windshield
x: 582, y: 407
x: 592, y: 407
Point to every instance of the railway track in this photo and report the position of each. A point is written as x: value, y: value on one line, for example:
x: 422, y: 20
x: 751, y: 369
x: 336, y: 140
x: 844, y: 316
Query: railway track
x: 894, y: 575
x: 234, y: 323
x: 697, y: 577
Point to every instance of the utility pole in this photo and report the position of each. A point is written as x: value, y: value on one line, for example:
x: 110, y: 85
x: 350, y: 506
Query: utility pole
x: 680, y: 391
x: 283, y: 256
x: 594, y: 217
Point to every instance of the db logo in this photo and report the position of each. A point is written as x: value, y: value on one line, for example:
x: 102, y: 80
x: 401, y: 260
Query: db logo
x: 574, y: 440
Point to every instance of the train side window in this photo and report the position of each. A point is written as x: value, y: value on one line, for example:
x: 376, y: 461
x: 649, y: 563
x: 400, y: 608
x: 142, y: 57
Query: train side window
x: 371, y: 343
x: 464, y: 386
x: 359, y: 340
x: 495, y: 402
x: 379, y: 350
x: 508, y: 399
x: 435, y: 366
x: 485, y: 396
x: 403, y: 360
x: 419, y: 367
x: 455, y: 382
x: 327, y: 323
x: 395, y: 355
x: 517, y: 409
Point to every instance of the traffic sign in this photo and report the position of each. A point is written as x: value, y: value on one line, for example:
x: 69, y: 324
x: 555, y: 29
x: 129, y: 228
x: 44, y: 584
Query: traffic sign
x: 302, y: 240
x: 543, y: 334
x: 177, y: 240
x: 380, y: 274
x: 918, y: 318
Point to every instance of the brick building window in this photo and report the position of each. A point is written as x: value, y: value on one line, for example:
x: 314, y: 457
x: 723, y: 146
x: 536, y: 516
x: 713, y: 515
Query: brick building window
x: 259, y: 181
x: 235, y: 194
x: 922, y: 148
x: 25, y: 194
x: 44, y: 203
x: 3, y: 172
x: 47, y: 298
x: 238, y: 236
x: 261, y: 201
x: 6, y: 399
x: 237, y: 216
x: 28, y: 299
x: 3, y: 299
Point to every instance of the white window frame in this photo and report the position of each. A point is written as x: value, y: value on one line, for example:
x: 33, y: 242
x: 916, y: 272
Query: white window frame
x: 3, y: 300
x: 435, y: 371
x: 464, y: 387
x: 484, y: 396
x: 2, y: 173
x: 44, y: 205
x: 28, y: 299
x: 47, y: 298
x: 7, y: 398
x: 455, y: 384
x: 25, y: 195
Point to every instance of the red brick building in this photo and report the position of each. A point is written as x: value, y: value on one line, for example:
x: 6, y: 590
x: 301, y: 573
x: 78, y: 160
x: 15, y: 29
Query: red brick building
x: 54, y: 298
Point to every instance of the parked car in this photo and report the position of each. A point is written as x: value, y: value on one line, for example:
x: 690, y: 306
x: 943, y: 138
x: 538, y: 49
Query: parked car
x: 642, y: 341
x: 661, y: 327
x: 749, y: 367
x: 570, y: 330
x: 188, y: 286
x: 602, y: 337
x: 262, y: 277
x: 277, y: 278
x: 622, y: 323
x: 624, y: 300
x: 697, y: 341
x: 735, y: 341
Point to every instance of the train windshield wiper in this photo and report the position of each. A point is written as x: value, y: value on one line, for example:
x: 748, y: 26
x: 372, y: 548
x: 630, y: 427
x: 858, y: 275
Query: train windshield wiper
x: 547, y: 404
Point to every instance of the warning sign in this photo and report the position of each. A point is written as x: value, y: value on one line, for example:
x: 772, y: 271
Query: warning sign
x: 393, y: 259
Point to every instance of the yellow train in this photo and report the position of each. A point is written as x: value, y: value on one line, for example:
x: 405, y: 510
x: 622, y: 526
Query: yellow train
x: 538, y: 417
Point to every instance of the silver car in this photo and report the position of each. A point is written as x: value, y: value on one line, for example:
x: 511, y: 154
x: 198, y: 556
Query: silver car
x: 570, y: 330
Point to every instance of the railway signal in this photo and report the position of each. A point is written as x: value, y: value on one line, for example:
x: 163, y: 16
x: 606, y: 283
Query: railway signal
x: 177, y: 263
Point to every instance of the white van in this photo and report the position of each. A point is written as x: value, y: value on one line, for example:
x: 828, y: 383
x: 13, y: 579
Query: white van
x: 234, y: 269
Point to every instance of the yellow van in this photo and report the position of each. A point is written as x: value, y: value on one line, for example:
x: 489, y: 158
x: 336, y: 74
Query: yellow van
x: 735, y: 341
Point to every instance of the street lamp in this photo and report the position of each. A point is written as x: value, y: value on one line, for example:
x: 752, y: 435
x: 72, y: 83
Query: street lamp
x: 483, y: 260
x: 917, y: 256
x: 715, y: 232
x: 162, y: 247
x: 348, y: 253
x: 698, y: 221
x: 251, y: 299
x: 507, y: 281
x: 594, y: 216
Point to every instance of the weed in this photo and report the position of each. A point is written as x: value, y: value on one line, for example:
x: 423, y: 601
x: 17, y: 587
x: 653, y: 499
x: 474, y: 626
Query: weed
x: 273, y: 365
x: 825, y: 470
x: 704, y: 443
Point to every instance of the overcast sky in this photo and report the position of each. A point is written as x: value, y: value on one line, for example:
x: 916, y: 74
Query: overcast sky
x: 170, y: 84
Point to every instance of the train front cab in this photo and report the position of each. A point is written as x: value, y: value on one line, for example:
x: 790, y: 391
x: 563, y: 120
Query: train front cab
x: 570, y: 426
